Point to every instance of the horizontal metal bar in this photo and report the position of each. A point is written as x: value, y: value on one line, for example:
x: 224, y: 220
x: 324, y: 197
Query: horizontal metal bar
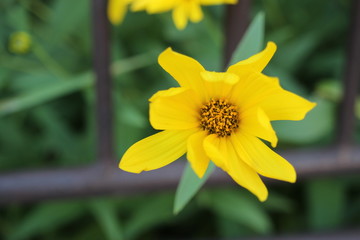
x: 338, y: 235
x: 103, y: 179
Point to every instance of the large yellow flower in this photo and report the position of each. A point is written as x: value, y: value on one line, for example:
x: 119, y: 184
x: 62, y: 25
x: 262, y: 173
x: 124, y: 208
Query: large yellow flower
x: 219, y: 117
x: 182, y: 9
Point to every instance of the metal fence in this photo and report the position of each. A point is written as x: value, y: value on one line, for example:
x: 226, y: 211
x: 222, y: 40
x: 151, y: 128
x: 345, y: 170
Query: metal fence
x: 104, y: 177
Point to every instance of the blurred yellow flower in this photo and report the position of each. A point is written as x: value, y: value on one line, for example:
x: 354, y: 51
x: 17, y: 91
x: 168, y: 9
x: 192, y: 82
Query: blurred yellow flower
x: 117, y: 9
x: 19, y: 42
x: 182, y: 9
x: 219, y: 117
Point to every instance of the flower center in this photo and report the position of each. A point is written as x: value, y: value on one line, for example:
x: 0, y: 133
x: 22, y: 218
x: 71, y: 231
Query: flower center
x: 219, y: 117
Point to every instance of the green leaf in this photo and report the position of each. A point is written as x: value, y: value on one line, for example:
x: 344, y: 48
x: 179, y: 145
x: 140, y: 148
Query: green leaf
x: 44, y: 94
x: 28, y: 82
x: 47, y: 217
x: 17, y: 17
x: 55, y: 89
x: 250, y: 44
x: 300, y: 49
x: 330, y: 89
x: 279, y: 203
x: 154, y: 211
x: 76, y: 12
x: 252, y: 41
x: 105, y: 213
x: 189, y: 185
x: 327, y: 203
x: 240, y: 207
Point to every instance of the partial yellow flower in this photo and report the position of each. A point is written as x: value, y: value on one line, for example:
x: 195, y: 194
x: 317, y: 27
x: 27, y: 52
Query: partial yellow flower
x: 219, y: 117
x: 183, y: 10
x: 117, y: 9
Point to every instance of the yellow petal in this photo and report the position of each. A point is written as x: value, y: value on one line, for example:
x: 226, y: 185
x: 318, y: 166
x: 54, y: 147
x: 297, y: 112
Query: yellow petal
x: 196, y: 154
x: 284, y: 105
x: 159, y: 6
x: 259, y: 90
x: 218, y: 84
x: 139, y: 5
x: 155, y: 151
x: 185, y: 70
x: 262, y: 159
x: 215, y: 2
x: 246, y: 176
x: 180, y: 16
x: 222, y: 150
x: 251, y: 89
x: 167, y: 93
x: 176, y: 108
x: 116, y: 10
x: 256, y: 62
x: 255, y: 122
x: 211, y: 146
x: 195, y: 12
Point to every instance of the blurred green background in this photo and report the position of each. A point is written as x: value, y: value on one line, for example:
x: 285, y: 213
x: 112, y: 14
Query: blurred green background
x: 47, y: 118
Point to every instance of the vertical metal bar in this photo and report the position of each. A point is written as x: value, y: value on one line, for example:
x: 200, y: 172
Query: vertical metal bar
x: 101, y: 55
x: 351, y: 81
x: 237, y: 21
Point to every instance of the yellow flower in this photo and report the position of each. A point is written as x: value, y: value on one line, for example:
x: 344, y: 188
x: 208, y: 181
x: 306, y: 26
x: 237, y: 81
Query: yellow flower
x: 219, y: 117
x: 116, y: 10
x: 182, y: 9
x: 19, y: 42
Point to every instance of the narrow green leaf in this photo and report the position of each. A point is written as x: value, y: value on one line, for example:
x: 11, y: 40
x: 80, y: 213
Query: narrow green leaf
x: 250, y: 44
x: 252, y: 41
x: 47, y: 217
x: 189, y: 185
x: 150, y: 213
x: 55, y: 89
x: 105, y: 213
x: 47, y: 93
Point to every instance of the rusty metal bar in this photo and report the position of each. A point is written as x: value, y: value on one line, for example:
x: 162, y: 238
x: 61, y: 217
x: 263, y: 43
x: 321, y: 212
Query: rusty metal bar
x: 351, y: 81
x: 237, y: 21
x: 349, y: 234
x: 101, y: 56
x: 100, y: 179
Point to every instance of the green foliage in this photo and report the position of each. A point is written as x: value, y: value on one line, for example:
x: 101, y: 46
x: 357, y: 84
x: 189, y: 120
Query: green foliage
x: 326, y: 203
x: 240, y: 207
x: 105, y: 213
x: 45, y: 218
x: 297, y: 132
x: 189, y: 185
x: 151, y: 213
x: 252, y: 41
